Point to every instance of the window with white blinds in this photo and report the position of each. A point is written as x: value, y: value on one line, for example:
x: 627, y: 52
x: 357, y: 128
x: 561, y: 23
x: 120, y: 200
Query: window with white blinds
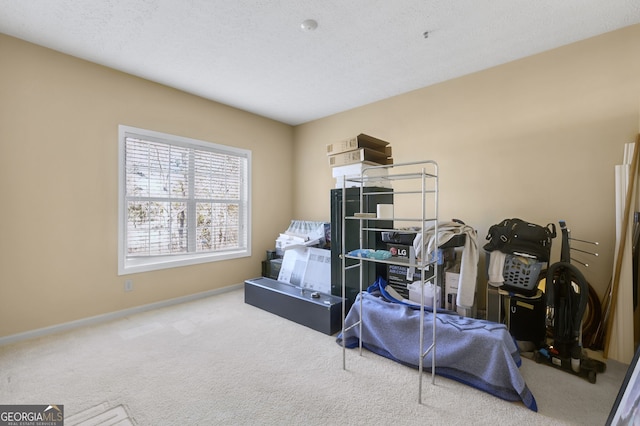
x: 183, y: 201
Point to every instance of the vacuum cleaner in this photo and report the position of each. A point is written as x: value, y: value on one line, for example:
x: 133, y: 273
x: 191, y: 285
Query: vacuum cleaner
x: 567, y: 295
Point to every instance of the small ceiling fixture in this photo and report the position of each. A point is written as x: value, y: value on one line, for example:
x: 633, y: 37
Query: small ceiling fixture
x: 309, y: 25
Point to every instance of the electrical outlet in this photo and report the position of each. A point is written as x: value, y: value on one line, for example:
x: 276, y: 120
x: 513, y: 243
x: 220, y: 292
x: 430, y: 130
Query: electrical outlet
x: 128, y: 285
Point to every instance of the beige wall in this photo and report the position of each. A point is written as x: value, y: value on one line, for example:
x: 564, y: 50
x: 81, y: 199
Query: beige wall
x: 537, y: 138
x: 59, y: 120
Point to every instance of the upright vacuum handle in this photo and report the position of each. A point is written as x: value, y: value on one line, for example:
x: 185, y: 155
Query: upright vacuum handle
x: 565, y: 251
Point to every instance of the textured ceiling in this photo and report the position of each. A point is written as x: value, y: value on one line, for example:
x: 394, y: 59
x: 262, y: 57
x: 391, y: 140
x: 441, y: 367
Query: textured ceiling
x: 253, y: 54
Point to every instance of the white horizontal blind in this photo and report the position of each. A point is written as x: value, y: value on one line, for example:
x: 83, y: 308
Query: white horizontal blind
x: 218, y: 188
x: 183, y: 199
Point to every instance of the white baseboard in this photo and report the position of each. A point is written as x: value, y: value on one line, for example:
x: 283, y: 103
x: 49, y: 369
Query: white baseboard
x: 111, y: 316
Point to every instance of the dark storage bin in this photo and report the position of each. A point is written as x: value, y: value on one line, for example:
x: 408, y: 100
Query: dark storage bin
x: 525, y: 317
x: 319, y: 311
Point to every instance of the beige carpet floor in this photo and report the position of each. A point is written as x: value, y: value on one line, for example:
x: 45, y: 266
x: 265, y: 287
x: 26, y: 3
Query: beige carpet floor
x: 219, y: 361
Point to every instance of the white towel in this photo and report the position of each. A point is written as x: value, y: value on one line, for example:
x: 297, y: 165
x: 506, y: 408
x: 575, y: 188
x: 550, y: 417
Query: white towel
x: 468, y: 262
x: 496, y: 268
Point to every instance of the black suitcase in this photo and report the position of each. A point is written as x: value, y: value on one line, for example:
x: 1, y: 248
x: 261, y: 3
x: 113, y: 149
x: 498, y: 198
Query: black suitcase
x: 525, y: 317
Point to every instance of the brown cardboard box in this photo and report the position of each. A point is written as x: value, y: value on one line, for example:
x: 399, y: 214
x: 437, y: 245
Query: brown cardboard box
x: 359, y: 156
x: 360, y: 141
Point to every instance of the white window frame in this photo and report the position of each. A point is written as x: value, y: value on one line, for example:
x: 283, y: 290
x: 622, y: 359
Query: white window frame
x: 129, y: 265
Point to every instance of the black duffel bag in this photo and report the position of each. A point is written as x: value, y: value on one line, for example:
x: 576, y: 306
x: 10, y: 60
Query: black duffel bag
x: 519, y: 237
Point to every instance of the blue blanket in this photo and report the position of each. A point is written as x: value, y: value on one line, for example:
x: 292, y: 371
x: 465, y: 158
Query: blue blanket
x: 475, y: 352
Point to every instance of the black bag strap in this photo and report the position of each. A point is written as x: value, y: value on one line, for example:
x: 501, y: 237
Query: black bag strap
x: 552, y: 229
